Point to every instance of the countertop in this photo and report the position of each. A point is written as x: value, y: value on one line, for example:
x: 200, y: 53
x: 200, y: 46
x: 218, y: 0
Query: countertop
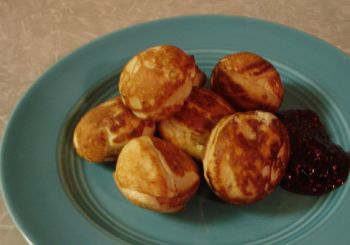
x: 35, y: 34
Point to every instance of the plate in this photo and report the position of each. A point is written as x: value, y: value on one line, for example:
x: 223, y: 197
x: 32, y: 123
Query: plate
x: 55, y: 197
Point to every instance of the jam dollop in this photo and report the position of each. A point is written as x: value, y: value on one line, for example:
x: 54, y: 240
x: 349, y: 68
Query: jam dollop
x: 316, y: 164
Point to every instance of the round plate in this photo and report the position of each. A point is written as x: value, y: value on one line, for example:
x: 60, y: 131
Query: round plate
x: 57, y: 198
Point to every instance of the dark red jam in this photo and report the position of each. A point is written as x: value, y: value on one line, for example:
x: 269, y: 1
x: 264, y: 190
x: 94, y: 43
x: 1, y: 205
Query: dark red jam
x: 316, y: 164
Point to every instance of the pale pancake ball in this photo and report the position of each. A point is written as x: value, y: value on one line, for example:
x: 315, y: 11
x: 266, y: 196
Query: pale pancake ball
x: 156, y: 175
x: 155, y: 83
x: 246, y: 156
x: 248, y: 82
x: 105, y: 129
x: 189, y: 128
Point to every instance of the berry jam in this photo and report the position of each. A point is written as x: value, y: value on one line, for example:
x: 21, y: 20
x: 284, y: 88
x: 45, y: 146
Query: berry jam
x: 316, y: 164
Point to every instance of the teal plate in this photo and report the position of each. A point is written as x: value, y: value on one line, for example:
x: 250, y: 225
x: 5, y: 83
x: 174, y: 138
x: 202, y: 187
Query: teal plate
x: 55, y: 197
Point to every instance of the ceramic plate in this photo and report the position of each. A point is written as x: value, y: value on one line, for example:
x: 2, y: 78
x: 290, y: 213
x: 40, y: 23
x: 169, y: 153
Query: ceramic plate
x: 57, y: 198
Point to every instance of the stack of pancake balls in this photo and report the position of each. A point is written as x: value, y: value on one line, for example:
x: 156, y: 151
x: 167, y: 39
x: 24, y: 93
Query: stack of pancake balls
x: 227, y: 133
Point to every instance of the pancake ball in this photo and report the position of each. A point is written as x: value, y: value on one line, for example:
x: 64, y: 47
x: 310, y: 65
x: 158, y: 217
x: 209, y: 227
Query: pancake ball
x: 105, y: 129
x: 200, y: 78
x: 155, y: 83
x: 248, y: 82
x: 155, y: 174
x: 189, y: 128
x: 246, y: 156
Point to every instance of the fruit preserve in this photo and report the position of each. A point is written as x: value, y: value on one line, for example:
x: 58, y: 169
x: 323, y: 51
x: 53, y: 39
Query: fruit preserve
x: 316, y: 164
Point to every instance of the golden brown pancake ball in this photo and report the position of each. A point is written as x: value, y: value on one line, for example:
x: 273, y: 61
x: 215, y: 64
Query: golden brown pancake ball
x: 248, y: 82
x: 105, y: 129
x: 155, y: 174
x: 246, y: 156
x: 189, y: 128
x: 155, y: 83
x: 200, y: 78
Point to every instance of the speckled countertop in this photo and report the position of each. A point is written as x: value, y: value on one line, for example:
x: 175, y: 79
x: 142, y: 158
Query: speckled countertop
x: 34, y: 34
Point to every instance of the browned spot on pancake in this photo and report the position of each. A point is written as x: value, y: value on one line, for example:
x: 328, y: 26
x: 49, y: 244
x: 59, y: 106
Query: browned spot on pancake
x: 248, y: 166
x: 202, y: 110
x: 239, y: 98
x: 153, y: 83
x: 176, y: 159
x: 223, y: 86
x: 148, y: 123
x: 168, y: 111
x: 92, y: 147
x: 276, y: 85
x: 123, y: 119
x: 256, y: 68
x: 117, y: 122
x: 236, y: 95
x: 137, y: 131
x: 234, y: 71
x: 281, y: 151
x: 192, y: 118
x: 254, y: 124
x: 209, y: 101
x: 109, y: 120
